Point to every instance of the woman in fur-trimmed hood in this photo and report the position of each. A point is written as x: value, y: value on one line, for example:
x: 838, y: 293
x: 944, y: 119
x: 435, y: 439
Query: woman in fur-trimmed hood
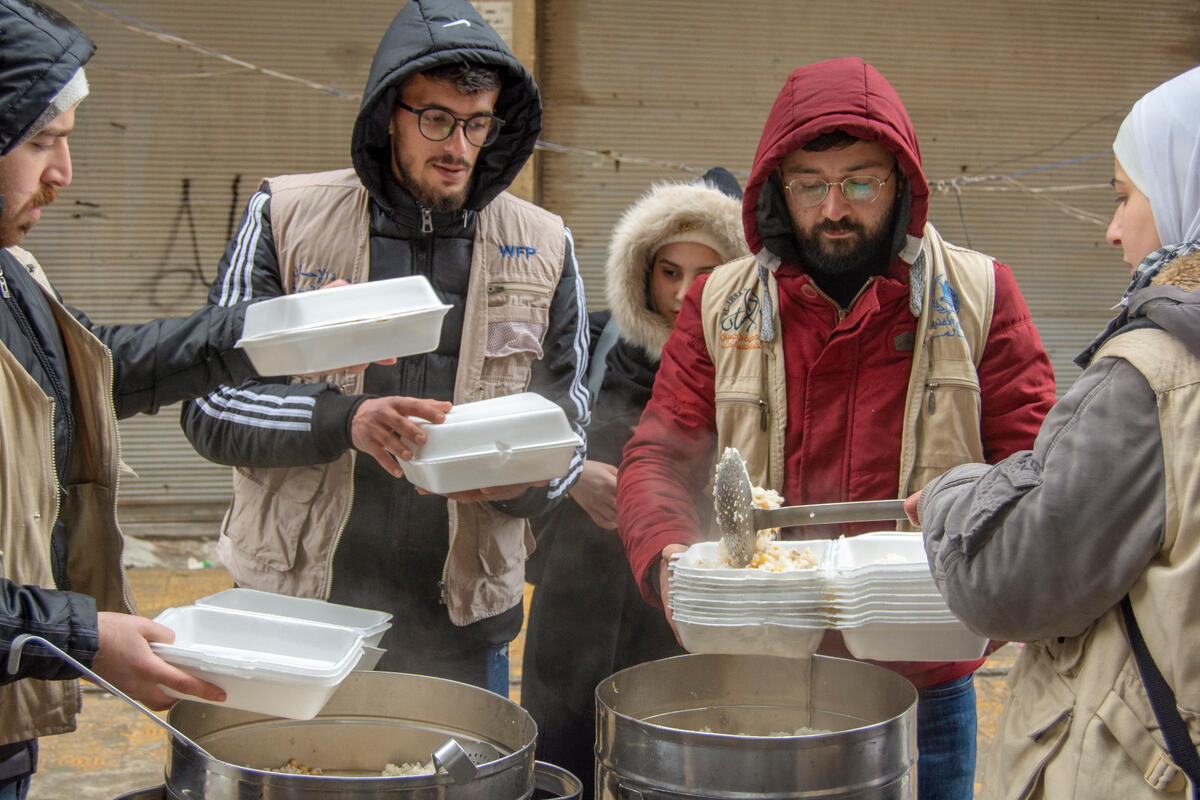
x: 1094, y: 535
x: 587, y: 619
x: 680, y: 212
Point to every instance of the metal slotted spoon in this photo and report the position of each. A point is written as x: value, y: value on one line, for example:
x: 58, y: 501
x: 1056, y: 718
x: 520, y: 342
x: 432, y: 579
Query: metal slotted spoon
x: 740, y: 521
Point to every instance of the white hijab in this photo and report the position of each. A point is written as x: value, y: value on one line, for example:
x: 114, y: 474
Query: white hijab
x: 1158, y: 146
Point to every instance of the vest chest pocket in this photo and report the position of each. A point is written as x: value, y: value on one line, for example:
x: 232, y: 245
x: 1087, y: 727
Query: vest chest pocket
x: 518, y: 318
x: 271, y: 510
x: 950, y: 415
x: 741, y: 411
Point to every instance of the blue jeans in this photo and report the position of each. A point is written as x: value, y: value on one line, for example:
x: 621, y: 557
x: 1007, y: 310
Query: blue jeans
x: 15, y: 791
x: 497, y: 671
x: 946, y: 741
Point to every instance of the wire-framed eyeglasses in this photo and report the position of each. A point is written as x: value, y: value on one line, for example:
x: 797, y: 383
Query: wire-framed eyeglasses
x: 437, y: 124
x: 861, y: 190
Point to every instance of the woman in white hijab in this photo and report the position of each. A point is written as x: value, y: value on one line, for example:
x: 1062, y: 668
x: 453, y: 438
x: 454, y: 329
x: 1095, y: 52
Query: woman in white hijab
x: 1091, y: 540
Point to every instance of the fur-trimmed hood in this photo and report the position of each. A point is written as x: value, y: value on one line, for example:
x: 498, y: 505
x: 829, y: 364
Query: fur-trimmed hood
x: 660, y: 213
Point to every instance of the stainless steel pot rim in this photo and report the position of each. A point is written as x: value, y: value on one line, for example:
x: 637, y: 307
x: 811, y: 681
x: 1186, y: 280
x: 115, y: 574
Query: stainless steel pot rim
x: 866, y: 730
x: 269, y: 777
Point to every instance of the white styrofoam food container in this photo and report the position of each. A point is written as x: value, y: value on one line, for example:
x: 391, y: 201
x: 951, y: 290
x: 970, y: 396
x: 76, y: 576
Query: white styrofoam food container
x: 519, y: 438
x: 913, y: 641
x: 327, y: 329
x: 370, y: 623
x: 887, y: 551
x: 792, y: 641
x: 702, y: 559
x: 271, y: 665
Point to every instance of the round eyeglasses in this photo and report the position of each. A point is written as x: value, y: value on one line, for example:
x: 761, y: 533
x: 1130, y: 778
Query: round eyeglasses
x: 437, y: 124
x: 861, y: 190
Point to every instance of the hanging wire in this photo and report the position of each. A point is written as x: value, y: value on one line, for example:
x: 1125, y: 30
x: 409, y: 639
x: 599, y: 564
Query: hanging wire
x: 998, y: 182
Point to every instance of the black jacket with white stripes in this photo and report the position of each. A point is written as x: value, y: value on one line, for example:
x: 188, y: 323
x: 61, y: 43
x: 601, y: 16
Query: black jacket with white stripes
x: 391, y: 551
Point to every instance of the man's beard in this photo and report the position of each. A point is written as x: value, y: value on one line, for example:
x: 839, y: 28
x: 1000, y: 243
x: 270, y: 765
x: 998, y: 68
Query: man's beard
x: 424, y: 195
x: 867, y: 254
x: 10, y: 231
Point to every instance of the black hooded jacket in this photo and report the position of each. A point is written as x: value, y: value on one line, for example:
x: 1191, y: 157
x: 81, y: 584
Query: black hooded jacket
x: 155, y: 364
x: 399, y: 571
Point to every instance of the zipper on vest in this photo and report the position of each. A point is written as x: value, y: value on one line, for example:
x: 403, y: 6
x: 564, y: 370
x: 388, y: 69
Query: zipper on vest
x: 116, y: 479
x: 532, y: 288
x: 57, y: 389
x: 932, y: 386
x: 426, y: 221
x: 760, y: 402
x: 341, y: 529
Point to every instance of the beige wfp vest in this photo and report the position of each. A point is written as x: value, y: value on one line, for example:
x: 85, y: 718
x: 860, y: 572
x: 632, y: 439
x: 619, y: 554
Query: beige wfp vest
x: 31, y: 708
x: 1079, y: 723
x: 942, y: 409
x: 283, y: 524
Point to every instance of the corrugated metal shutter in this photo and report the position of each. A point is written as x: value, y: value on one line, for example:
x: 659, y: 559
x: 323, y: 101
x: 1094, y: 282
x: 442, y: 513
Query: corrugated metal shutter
x: 994, y: 88
x: 167, y: 150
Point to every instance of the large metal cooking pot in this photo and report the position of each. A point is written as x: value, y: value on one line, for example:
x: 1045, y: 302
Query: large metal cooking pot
x: 374, y: 718
x: 704, y: 726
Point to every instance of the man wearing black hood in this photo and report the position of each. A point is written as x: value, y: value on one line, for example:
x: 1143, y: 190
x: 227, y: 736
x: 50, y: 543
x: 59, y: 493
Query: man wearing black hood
x: 63, y: 384
x: 448, y: 118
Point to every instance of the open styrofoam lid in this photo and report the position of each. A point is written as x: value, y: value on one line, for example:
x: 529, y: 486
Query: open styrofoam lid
x: 217, y: 639
x: 340, y: 305
x: 367, y: 620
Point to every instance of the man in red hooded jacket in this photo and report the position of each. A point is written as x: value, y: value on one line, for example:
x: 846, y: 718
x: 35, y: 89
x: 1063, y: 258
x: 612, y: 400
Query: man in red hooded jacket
x: 853, y: 354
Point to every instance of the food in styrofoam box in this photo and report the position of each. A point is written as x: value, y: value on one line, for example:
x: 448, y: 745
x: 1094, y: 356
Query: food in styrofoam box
x: 371, y: 623
x: 323, y: 330
x: 519, y: 438
x: 271, y: 665
x: 883, y: 549
x: 769, y: 556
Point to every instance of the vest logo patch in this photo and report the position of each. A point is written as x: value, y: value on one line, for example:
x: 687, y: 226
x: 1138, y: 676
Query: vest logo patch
x: 517, y: 250
x: 309, y: 279
x: 944, y: 320
x: 740, y: 321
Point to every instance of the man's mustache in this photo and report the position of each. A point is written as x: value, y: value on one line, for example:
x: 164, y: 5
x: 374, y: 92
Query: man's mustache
x: 44, y: 196
x: 829, y: 226
x: 450, y: 161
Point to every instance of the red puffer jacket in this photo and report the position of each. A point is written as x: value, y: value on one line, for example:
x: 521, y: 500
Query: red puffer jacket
x: 847, y: 369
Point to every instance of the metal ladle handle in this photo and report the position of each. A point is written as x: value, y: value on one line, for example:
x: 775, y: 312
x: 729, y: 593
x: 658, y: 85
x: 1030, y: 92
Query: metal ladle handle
x: 14, y: 660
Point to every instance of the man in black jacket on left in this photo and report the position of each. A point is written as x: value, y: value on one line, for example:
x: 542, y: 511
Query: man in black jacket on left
x: 63, y: 384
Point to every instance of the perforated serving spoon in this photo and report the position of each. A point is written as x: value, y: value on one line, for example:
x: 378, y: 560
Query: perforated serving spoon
x: 740, y: 521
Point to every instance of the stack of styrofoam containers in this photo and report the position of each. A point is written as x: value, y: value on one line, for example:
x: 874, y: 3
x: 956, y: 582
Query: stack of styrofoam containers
x: 518, y: 438
x: 875, y: 588
x: 887, y: 606
x: 726, y: 610
x: 272, y: 654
